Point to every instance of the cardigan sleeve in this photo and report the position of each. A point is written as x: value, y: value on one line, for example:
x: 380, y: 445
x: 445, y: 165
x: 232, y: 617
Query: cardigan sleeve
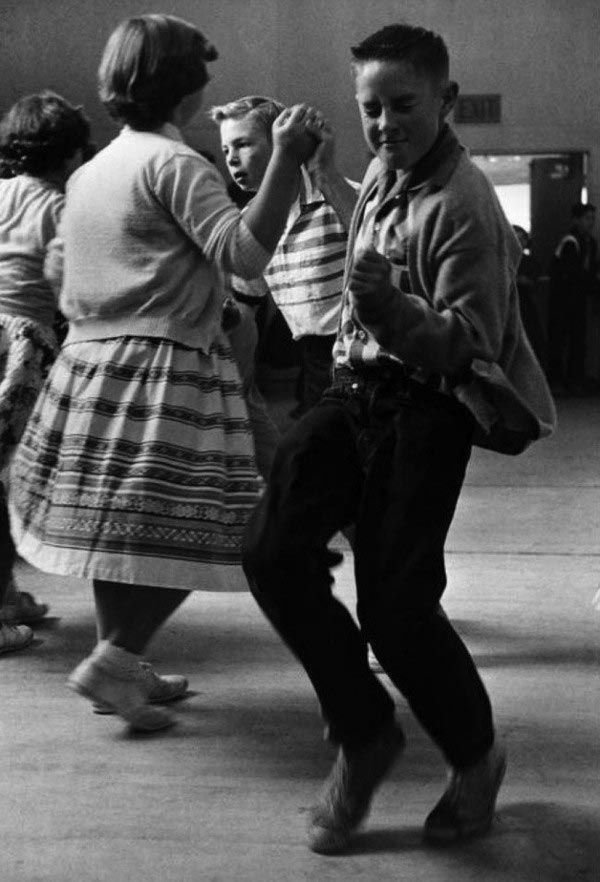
x: 193, y: 192
x: 471, y: 280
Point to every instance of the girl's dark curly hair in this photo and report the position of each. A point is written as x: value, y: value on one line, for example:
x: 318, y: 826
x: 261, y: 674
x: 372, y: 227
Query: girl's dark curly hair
x: 39, y: 133
x: 149, y: 64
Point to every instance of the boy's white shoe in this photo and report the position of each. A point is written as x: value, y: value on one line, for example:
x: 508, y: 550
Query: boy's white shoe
x: 468, y: 804
x: 346, y: 795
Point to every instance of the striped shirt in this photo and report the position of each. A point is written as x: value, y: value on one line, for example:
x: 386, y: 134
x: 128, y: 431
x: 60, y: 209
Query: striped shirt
x: 306, y: 272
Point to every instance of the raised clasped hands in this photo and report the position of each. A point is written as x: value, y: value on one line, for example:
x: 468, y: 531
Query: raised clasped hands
x: 370, y: 286
x: 296, y: 131
x: 323, y: 159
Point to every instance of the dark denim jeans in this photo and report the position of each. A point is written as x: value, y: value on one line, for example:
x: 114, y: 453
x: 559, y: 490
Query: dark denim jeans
x: 389, y: 456
x: 316, y: 366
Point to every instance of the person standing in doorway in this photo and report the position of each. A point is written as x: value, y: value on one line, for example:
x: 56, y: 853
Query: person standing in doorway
x: 573, y: 280
x: 528, y: 285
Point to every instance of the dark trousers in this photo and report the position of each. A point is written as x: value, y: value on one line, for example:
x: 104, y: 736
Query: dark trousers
x: 316, y: 363
x: 533, y: 324
x: 391, y: 458
x: 567, y: 337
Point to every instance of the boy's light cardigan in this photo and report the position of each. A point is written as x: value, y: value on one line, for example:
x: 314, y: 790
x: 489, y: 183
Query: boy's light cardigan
x: 462, y: 318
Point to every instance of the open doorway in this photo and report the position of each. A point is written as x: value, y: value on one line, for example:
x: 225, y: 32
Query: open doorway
x: 510, y: 175
x: 537, y: 191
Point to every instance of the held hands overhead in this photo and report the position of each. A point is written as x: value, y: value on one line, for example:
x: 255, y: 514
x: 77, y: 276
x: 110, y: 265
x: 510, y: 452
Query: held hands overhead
x: 323, y: 159
x: 305, y: 131
x: 296, y: 131
x: 307, y: 135
x: 340, y: 193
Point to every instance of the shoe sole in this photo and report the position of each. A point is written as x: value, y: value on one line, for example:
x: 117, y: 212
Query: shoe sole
x: 105, y: 710
x: 334, y: 843
x: 82, y: 690
x: 468, y: 831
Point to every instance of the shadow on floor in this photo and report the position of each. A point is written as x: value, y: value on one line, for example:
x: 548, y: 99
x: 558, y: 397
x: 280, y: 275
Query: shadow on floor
x: 511, y: 646
x: 216, y: 644
x: 536, y: 840
x: 226, y: 646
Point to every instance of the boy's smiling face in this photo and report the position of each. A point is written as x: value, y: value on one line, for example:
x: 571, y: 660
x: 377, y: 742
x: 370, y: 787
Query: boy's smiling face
x: 247, y: 150
x: 401, y: 109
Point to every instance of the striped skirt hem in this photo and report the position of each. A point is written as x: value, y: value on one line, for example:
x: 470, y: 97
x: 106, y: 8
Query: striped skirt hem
x: 137, y: 466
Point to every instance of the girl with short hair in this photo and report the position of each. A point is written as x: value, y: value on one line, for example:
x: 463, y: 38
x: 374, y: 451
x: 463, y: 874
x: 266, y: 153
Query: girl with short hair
x: 140, y: 450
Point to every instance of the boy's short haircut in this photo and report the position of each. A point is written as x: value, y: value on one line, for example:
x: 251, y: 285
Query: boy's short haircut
x: 425, y: 49
x: 39, y: 133
x: 149, y: 64
x: 582, y: 208
x: 256, y: 107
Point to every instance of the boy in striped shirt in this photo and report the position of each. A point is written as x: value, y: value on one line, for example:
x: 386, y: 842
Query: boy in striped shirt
x: 306, y: 272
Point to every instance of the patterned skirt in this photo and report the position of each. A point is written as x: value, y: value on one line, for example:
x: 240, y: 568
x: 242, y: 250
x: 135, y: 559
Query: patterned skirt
x: 137, y: 466
x: 27, y: 349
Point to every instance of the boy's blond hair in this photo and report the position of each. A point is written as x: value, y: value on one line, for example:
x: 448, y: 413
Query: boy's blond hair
x: 264, y: 110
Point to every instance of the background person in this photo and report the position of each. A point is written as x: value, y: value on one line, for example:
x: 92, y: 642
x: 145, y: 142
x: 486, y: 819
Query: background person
x: 42, y: 141
x: 529, y: 273
x: 573, y: 280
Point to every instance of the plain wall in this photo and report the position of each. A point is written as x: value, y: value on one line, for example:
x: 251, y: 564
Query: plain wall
x: 541, y: 55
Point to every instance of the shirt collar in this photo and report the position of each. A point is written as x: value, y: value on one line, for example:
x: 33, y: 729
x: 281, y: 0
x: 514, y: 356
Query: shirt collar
x: 170, y: 131
x: 307, y: 194
x: 167, y: 129
x: 308, y: 191
x: 435, y: 166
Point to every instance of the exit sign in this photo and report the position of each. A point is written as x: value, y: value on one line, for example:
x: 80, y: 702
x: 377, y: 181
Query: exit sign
x: 477, y: 109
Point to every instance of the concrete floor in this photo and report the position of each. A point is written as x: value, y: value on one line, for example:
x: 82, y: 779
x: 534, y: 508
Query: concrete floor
x: 223, y: 796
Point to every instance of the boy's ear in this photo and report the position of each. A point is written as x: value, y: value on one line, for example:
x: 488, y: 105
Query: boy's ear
x: 449, y: 96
